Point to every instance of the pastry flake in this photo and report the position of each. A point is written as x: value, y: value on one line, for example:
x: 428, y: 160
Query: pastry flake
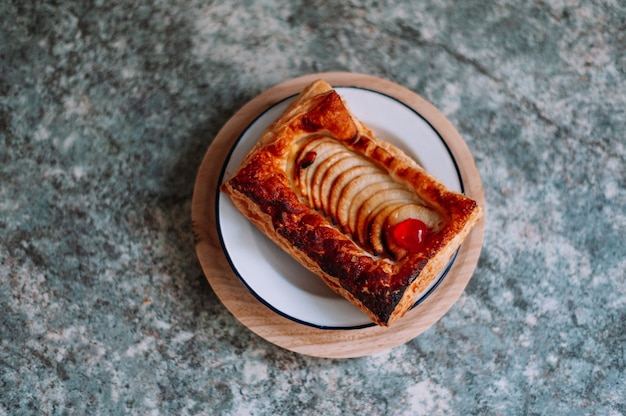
x: 350, y: 207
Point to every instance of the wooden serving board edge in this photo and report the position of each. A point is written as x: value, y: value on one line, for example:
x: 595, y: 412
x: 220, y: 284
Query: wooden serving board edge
x: 301, y: 338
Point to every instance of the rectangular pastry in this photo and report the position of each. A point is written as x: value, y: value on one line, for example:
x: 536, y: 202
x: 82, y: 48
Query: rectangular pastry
x: 350, y: 207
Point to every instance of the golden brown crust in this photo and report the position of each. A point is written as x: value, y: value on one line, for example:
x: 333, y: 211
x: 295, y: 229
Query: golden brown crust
x: 269, y: 189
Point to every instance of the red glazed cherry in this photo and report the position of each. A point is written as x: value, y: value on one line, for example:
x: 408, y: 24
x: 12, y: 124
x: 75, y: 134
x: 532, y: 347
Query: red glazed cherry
x: 307, y: 160
x: 409, y: 234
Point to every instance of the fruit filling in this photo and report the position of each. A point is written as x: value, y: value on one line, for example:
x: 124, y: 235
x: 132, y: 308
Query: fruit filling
x: 359, y: 197
x: 409, y: 234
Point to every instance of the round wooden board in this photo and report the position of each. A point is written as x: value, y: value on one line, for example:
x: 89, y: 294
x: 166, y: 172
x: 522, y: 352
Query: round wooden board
x: 288, y: 334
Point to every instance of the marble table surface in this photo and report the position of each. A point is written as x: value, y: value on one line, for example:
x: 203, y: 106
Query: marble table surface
x: 106, y: 110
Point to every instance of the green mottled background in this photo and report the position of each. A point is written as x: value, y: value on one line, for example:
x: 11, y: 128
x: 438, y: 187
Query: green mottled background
x: 107, y: 107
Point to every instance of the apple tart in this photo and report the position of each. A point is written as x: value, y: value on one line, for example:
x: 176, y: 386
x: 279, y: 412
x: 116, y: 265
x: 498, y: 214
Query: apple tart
x: 350, y: 207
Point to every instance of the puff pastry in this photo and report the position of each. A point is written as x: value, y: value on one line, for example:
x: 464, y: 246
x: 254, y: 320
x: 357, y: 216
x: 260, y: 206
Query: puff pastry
x: 350, y: 207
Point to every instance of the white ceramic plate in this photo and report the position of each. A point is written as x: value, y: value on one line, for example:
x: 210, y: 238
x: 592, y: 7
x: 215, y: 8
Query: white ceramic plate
x: 273, y: 276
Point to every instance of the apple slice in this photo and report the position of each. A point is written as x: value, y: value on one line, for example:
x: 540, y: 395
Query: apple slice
x: 332, y: 175
x: 420, y: 212
x: 373, y: 205
x: 320, y: 176
x: 304, y: 159
x: 343, y: 179
x: 312, y: 153
x: 358, y: 203
x: 376, y: 224
x: 352, y: 190
x: 346, y: 161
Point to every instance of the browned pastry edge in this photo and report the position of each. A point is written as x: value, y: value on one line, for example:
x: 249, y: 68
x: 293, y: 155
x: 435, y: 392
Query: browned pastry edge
x: 261, y: 190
